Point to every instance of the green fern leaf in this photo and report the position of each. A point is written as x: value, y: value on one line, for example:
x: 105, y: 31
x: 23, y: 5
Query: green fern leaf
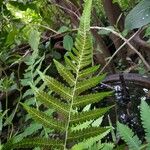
x: 145, y: 112
x: 83, y: 42
x: 89, y: 83
x: 37, y: 142
x: 29, y: 130
x: 85, y: 63
x: 8, y: 145
x: 67, y: 75
x: 73, y: 57
x: 86, y: 17
x: 128, y: 136
x: 44, y: 119
x: 81, y: 101
x: 85, y: 133
x: 88, y: 144
x: 71, y: 65
x: 29, y: 92
x: 89, y: 71
x: 51, y: 102
x: 56, y: 86
x: 106, y: 146
x: 88, y: 115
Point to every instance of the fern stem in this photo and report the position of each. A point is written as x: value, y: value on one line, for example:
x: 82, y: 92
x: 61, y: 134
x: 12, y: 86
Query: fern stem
x: 74, y: 89
x: 67, y: 127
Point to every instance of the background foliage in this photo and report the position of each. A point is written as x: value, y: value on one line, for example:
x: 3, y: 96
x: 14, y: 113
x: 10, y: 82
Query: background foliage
x: 33, y: 33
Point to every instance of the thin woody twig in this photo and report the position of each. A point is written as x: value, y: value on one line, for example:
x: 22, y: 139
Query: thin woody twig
x: 68, y: 10
x: 48, y: 28
x: 126, y: 41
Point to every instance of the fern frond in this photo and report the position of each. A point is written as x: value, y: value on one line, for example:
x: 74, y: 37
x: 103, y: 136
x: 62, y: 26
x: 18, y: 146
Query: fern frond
x: 66, y: 74
x: 66, y: 99
x: 57, y: 86
x: 145, y: 112
x: 32, y: 76
x: 84, y: 100
x: 129, y: 137
x: 44, y: 119
x: 88, y: 115
x: 88, y: 84
x: 85, y: 133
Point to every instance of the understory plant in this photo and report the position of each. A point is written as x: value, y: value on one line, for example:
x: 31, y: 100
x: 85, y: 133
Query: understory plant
x: 70, y: 97
x: 131, y: 139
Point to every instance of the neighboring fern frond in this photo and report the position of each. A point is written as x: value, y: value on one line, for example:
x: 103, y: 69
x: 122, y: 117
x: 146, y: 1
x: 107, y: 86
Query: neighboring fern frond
x: 32, y: 76
x: 71, y: 95
x: 145, y: 112
x: 129, y: 137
